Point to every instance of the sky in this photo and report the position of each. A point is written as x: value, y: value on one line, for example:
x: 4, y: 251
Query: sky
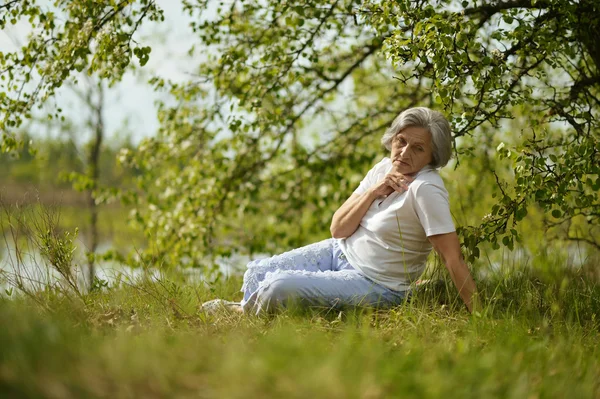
x: 130, y: 105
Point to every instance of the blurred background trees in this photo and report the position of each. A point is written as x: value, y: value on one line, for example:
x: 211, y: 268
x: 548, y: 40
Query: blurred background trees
x: 282, y: 115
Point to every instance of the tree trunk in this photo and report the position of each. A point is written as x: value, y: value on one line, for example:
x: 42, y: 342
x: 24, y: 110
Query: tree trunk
x: 97, y: 124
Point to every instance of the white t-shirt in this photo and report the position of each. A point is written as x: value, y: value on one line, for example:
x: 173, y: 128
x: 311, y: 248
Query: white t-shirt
x: 390, y: 245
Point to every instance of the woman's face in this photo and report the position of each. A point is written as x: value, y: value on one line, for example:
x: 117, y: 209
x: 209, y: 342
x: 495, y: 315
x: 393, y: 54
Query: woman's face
x: 411, y: 150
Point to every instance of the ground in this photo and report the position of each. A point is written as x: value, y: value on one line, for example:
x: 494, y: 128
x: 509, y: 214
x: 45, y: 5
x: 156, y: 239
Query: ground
x: 535, y: 336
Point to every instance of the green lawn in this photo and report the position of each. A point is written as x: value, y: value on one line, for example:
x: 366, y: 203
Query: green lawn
x: 536, y: 336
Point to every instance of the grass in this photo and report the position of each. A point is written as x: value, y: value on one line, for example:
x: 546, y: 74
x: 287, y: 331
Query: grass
x: 536, y: 336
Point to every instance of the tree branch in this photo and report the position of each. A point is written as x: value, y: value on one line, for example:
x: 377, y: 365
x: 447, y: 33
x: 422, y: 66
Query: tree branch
x: 9, y: 4
x: 487, y: 10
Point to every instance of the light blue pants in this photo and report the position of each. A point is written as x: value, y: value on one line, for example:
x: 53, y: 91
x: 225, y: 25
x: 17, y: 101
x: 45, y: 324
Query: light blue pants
x: 314, y: 275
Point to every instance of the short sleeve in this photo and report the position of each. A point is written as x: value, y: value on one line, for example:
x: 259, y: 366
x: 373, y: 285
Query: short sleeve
x: 433, y: 209
x: 373, y: 176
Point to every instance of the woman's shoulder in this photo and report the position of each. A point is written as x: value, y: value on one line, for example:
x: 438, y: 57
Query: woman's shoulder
x: 428, y: 179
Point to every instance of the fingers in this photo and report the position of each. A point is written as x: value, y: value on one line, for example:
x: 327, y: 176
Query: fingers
x: 403, y: 184
x: 400, y: 185
x: 405, y: 178
x: 403, y: 181
x: 398, y: 182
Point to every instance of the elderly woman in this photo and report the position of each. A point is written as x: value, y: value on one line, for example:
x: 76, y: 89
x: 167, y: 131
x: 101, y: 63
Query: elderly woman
x: 382, y: 234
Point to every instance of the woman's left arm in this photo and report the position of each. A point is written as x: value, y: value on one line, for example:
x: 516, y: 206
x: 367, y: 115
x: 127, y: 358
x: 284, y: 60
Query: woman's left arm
x: 448, y: 246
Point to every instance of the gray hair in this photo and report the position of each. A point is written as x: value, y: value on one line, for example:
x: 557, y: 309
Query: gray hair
x: 434, y: 122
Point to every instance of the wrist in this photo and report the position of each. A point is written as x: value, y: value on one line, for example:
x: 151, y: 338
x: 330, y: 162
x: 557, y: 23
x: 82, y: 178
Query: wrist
x: 371, y: 194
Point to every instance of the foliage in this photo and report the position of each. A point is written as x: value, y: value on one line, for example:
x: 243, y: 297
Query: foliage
x: 24, y: 233
x: 303, y: 91
x: 66, y: 37
x: 284, y: 116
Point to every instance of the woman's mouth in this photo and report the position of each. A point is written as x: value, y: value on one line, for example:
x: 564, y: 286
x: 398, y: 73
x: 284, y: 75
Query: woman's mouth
x: 398, y: 161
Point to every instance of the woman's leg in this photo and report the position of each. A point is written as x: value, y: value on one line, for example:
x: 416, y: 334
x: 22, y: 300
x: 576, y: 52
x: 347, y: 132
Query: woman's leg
x: 346, y: 287
x: 314, y: 257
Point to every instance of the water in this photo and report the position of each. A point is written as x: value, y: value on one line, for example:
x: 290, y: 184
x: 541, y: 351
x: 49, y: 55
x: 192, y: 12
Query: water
x: 35, y: 274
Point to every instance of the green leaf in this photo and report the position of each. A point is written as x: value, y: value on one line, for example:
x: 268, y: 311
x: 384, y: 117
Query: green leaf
x: 520, y: 213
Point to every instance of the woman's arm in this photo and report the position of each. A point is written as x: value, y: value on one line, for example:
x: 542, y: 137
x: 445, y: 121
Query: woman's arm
x: 347, y: 218
x: 448, y: 246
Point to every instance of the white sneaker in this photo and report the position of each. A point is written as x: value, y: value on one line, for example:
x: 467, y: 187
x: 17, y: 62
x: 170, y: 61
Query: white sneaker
x: 216, y: 305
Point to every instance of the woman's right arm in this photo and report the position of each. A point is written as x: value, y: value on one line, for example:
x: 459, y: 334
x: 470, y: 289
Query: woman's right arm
x: 347, y: 218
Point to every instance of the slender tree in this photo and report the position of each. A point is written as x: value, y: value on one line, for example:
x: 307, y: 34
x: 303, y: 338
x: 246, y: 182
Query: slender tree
x: 93, y: 97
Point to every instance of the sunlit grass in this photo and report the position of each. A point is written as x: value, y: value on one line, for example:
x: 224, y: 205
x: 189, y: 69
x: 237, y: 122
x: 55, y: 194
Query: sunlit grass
x: 535, y: 336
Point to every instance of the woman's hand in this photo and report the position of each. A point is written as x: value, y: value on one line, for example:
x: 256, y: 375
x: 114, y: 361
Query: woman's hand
x: 393, y: 181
